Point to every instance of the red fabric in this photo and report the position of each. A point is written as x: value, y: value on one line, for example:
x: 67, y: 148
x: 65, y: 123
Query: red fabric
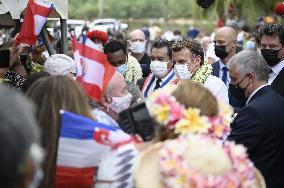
x: 27, y: 33
x: 67, y: 177
x: 92, y: 90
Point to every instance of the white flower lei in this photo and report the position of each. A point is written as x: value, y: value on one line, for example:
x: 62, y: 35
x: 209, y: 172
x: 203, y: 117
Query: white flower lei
x: 134, y: 71
x: 202, y: 73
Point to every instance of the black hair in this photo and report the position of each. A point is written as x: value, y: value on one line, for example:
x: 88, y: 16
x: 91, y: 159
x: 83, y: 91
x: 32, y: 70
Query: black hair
x: 18, y: 130
x: 272, y: 30
x: 161, y: 43
x: 114, y: 46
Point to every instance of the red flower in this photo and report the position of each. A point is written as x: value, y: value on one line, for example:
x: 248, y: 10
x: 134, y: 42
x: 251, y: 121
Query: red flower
x: 98, y: 35
x: 279, y: 9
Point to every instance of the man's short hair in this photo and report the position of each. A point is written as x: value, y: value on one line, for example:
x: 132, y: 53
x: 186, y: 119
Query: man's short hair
x: 272, y: 30
x: 161, y: 43
x: 114, y: 46
x: 193, y: 45
x: 18, y: 132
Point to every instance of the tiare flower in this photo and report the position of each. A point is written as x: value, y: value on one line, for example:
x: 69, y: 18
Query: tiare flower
x: 192, y: 122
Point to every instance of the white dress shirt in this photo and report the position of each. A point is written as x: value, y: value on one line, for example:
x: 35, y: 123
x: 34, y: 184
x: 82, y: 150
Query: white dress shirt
x: 276, y: 69
x: 153, y: 84
x: 253, y: 93
x: 221, y: 72
x: 218, y: 88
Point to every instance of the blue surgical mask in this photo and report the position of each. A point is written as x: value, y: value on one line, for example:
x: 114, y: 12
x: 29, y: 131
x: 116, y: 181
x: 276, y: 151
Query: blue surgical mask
x: 250, y: 45
x: 122, y: 69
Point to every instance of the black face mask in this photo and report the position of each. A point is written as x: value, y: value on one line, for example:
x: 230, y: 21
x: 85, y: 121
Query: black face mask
x: 237, y: 91
x: 270, y: 56
x: 221, y: 52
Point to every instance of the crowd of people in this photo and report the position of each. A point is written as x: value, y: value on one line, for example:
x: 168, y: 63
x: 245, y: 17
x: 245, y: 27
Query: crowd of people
x: 201, y: 112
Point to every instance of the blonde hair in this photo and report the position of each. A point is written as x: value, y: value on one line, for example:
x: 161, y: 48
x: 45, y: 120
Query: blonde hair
x: 192, y: 94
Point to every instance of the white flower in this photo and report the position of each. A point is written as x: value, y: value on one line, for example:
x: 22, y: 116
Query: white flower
x: 134, y: 71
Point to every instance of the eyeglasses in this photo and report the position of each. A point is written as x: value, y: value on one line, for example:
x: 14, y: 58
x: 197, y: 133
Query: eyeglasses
x: 237, y: 85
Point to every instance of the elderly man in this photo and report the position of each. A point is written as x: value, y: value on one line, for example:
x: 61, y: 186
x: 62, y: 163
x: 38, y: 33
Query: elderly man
x: 161, y: 66
x: 115, y: 99
x: 137, y: 45
x: 188, y: 58
x: 225, y: 48
x: 20, y: 158
x: 259, y: 125
x: 271, y: 44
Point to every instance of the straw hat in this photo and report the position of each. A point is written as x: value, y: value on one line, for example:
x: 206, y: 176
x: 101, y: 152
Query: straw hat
x: 196, y: 161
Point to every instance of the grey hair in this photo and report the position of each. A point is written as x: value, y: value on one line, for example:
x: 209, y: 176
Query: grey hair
x: 249, y: 61
x: 18, y: 132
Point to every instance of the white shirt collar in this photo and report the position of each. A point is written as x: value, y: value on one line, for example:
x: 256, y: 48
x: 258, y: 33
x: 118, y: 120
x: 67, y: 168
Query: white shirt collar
x: 253, y: 93
x: 277, y: 68
x: 221, y: 65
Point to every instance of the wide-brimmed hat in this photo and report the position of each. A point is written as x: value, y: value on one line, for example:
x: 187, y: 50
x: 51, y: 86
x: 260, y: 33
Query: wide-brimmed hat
x: 196, y: 161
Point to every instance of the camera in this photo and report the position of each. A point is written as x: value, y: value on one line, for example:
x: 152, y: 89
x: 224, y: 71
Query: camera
x: 136, y: 120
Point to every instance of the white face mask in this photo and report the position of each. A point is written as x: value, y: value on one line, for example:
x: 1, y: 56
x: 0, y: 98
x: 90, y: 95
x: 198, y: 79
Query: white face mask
x: 121, y: 103
x: 137, y: 47
x: 182, y: 71
x: 159, y: 68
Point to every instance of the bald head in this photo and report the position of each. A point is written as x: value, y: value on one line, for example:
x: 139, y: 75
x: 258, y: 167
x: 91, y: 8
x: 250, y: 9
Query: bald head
x: 226, y: 33
x: 225, y: 43
x: 136, y: 35
x: 117, y: 86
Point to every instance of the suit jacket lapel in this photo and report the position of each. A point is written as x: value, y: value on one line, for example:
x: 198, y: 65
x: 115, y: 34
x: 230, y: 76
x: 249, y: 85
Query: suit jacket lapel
x: 216, y: 68
x: 278, y: 82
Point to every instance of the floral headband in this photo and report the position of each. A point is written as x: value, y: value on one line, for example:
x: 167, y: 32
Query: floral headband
x: 99, y: 35
x: 169, y: 112
x: 202, y: 161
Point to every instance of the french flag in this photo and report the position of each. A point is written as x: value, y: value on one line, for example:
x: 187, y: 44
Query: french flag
x: 82, y: 144
x: 93, y: 71
x: 35, y: 17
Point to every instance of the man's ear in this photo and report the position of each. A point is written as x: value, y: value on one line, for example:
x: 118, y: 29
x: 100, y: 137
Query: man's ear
x: 197, y: 61
x: 106, y: 100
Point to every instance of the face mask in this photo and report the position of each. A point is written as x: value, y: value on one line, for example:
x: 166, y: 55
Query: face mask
x: 122, y: 69
x: 121, y: 103
x: 182, y: 71
x: 270, y: 56
x: 137, y: 47
x: 237, y: 91
x: 221, y: 52
x: 159, y: 68
x: 250, y: 45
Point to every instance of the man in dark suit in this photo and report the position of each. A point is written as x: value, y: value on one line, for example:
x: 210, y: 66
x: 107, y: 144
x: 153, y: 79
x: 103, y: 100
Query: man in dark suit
x: 259, y: 126
x: 225, y: 48
x: 271, y: 44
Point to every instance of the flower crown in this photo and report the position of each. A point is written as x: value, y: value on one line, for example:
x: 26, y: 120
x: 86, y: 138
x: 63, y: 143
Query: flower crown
x: 169, y: 112
x: 184, y: 162
x: 99, y: 35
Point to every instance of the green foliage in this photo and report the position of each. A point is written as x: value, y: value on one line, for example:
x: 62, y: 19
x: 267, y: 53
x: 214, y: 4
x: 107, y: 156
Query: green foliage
x: 247, y: 9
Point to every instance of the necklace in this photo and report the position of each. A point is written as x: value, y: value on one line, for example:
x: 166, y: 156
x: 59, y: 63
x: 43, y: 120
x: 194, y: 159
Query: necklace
x: 202, y: 73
